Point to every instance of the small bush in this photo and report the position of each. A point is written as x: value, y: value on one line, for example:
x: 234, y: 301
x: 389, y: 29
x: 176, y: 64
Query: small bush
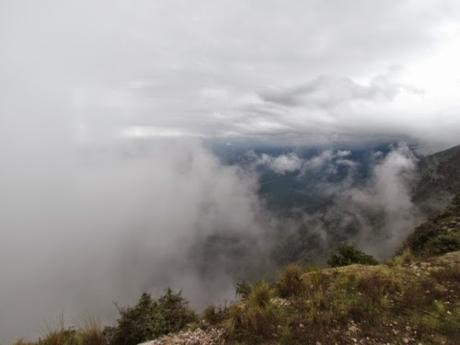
x: 347, y: 255
x: 150, y: 319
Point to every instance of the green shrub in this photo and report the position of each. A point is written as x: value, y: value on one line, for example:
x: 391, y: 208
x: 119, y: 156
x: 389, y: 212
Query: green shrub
x: 443, y: 243
x: 347, y: 255
x: 150, y: 319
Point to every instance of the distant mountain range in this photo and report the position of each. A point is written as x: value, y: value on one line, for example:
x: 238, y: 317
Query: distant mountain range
x: 319, y: 192
x: 437, y: 181
x: 312, y: 187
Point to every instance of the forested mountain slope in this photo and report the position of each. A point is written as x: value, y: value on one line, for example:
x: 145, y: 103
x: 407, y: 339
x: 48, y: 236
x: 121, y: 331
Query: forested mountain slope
x: 439, y: 180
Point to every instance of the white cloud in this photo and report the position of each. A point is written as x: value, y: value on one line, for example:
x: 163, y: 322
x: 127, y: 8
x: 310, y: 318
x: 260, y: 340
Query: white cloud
x: 281, y: 164
x: 310, y: 67
x: 291, y: 162
x: 387, y: 194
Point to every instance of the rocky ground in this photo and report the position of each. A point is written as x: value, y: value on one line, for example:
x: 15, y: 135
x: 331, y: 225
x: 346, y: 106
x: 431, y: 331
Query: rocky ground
x: 198, y: 336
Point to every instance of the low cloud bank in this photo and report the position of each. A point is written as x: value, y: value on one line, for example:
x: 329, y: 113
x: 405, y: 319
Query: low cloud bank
x: 382, y: 211
x: 84, y: 226
x: 374, y: 213
x: 122, y: 219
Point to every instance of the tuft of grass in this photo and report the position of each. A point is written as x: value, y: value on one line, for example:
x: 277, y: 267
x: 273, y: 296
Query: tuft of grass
x: 255, y: 319
x: 405, y: 258
x: 260, y: 295
x: 23, y: 342
x: 93, y: 334
x: 90, y: 334
x: 290, y: 282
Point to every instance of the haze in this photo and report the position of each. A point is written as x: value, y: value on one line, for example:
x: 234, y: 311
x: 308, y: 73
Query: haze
x: 107, y: 108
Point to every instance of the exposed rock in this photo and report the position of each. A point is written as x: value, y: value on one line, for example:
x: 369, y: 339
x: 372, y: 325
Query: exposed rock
x: 196, y: 337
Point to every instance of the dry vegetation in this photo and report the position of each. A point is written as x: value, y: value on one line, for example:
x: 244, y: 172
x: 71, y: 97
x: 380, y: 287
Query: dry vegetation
x: 401, y: 302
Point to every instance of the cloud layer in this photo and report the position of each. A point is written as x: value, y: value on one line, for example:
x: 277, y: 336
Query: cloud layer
x: 374, y: 214
x: 111, y: 223
x: 301, y: 71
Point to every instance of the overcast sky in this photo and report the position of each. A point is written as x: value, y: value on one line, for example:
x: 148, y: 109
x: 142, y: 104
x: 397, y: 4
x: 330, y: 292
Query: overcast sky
x: 261, y: 68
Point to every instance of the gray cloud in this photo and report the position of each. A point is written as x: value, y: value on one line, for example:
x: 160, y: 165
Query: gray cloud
x: 329, y: 92
x: 387, y: 195
x: 187, y: 69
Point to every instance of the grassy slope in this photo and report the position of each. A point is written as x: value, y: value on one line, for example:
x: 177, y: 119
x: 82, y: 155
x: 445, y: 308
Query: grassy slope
x: 411, y: 299
x: 406, y: 301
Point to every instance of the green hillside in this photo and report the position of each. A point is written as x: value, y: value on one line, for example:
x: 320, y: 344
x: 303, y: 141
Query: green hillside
x: 438, y: 180
x: 440, y: 234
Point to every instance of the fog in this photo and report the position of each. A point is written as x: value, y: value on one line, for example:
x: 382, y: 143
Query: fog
x: 91, y: 227
x: 382, y: 211
x: 107, y: 185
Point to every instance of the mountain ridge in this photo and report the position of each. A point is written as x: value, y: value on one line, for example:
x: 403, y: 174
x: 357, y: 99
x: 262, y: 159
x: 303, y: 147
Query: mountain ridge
x: 438, y: 180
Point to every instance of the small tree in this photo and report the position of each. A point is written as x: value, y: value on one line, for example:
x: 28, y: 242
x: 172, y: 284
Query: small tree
x: 347, y: 255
